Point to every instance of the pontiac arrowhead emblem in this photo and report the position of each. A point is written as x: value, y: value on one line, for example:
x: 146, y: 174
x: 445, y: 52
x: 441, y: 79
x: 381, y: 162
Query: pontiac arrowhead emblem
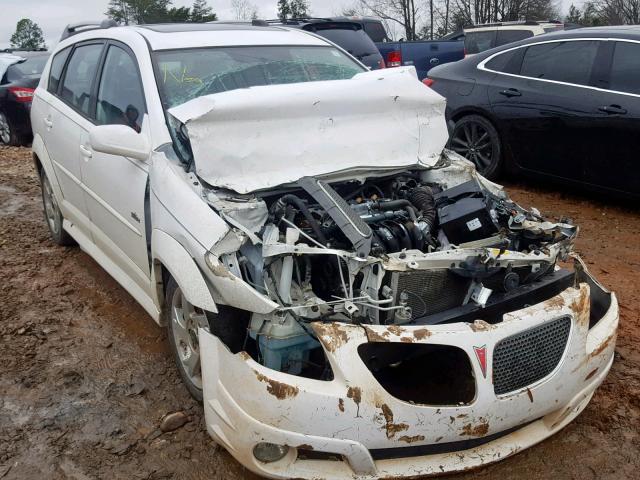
x: 481, y: 355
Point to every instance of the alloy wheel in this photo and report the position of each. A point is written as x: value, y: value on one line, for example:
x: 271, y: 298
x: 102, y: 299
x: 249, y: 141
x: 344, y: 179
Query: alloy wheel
x: 186, y: 319
x: 474, y: 142
x: 5, y: 129
x: 51, y: 209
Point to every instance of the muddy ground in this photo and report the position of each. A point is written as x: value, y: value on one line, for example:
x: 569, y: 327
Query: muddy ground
x: 86, y: 376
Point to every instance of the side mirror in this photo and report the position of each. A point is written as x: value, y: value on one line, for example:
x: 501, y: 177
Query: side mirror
x: 119, y: 140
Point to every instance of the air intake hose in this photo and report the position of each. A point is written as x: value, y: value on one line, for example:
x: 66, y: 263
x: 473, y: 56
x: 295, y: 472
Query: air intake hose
x: 279, y: 210
x: 422, y: 199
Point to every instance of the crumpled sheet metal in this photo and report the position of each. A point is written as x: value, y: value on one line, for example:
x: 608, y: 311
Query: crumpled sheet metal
x: 261, y: 137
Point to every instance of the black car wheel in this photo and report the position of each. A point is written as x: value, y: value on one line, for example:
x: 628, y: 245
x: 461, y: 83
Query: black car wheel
x: 7, y: 132
x: 476, y: 139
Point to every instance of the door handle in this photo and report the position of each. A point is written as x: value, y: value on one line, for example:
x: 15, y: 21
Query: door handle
x: 434, y: 61
x: 47, y: 122
x: 85, y: 152
x: 510, y: 92
x: 613, y: 110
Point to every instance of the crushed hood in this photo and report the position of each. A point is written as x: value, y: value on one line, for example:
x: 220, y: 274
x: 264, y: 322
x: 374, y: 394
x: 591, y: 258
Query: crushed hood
x: 261, y: 137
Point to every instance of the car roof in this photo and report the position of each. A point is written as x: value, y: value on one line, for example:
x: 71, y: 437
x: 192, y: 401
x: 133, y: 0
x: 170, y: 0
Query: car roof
x: 630, y: 32
x: 176, y: 36
x: 197, y: 35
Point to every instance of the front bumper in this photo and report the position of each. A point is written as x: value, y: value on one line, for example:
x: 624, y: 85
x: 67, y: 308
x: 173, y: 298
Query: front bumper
x: 352, y: 416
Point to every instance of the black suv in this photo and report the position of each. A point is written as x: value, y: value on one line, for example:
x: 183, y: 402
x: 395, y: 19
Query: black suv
x: 562, y: 106
x: 16, y: 92
x: 350, y: 35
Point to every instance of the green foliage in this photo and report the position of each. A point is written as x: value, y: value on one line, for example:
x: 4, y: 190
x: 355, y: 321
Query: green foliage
x: 28, y: 36
x: 591, y: 15
x: 292, y: 9
x: 158, y: 11
x: 202, y: 12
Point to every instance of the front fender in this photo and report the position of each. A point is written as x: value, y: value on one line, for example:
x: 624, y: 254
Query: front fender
x: 182, y: 267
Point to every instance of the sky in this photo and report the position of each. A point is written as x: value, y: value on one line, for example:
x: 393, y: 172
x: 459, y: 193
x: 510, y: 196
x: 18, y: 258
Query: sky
x: 53, y: 15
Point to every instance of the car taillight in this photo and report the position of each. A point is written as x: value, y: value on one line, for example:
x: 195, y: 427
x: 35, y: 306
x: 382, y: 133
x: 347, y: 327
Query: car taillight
x: 381, y: 63
x: 22, y: 94
x: 428, y: 82
x: 394, y: 59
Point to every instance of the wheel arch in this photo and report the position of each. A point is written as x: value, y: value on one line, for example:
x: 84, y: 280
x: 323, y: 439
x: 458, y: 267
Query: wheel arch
x: 171, y: 259
x: 507, y: 154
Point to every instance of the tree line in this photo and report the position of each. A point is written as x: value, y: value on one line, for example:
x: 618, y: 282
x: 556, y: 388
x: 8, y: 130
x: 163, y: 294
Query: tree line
x: 127, y: 12
x: 429, y: 19
x: 605, y: 12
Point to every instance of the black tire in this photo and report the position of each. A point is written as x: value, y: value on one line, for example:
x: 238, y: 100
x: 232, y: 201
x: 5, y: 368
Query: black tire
x: 8, y: 133
x: 229, y: 325
x: 475, y: 138
x: 53, y: 215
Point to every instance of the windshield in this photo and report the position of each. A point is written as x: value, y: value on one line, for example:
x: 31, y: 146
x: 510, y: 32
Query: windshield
x: 190, y: 73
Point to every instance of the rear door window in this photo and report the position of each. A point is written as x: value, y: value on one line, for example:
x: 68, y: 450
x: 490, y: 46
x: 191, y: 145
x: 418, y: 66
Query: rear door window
x: 55, y: 72
x: 625, y: 68
x: 120, y: 99
x: 570, y: 62
x: 476, y: 42
x: 79, y: 76
x: 509, y: 36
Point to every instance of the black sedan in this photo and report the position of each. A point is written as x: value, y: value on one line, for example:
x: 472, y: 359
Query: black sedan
x: 16, y: 92
x: 562, y: 106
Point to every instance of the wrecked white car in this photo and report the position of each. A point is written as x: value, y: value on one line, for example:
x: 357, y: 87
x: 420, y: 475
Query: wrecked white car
x: 348, y: 299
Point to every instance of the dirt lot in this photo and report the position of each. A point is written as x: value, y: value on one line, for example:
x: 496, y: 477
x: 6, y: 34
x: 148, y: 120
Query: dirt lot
x: 87, y: 377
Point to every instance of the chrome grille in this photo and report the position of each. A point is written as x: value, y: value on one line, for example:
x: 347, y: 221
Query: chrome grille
x: 525, y: 358
x: 430, y: 291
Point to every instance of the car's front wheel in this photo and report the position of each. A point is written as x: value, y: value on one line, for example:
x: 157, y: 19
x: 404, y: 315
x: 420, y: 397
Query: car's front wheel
x: 183, y: 321
x: 475, y: 138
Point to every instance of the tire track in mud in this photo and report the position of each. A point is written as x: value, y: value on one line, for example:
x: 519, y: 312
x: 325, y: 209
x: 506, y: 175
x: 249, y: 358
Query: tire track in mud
x: 87, y: 376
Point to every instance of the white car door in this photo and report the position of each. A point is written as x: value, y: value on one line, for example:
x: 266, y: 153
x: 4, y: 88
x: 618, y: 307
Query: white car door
x: 65, y: 119
x: 116, y: 186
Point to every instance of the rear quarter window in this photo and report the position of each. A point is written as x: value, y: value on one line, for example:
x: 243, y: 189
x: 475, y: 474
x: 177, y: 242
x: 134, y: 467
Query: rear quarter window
x: 376, y: 31
x: 509, y: 36
x: 507, y: 62
x: 476, y: 42
x: 356, y: 42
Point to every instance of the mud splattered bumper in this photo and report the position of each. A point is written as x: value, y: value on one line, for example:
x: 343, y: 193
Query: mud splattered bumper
x: 353, y: 417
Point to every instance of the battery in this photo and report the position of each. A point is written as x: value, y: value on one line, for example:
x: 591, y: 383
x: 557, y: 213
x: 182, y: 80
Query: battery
x: 464, y: 213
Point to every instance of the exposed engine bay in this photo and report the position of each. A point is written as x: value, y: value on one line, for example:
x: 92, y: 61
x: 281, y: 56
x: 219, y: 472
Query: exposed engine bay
x: 417, y: 247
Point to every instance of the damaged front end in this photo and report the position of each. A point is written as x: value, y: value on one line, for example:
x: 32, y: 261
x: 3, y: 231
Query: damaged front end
x: 406, y: 317
x: 391, y: 250
x: 419, y: 314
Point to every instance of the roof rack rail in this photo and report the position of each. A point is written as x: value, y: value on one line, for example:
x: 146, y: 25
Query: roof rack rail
x: 11, y: 50
x: 513, y: 22
x: 74, y: 28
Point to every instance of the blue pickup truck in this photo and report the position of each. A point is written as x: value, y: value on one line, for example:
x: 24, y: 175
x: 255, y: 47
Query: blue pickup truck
x: 367, y: 40
x: 422, y: 54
